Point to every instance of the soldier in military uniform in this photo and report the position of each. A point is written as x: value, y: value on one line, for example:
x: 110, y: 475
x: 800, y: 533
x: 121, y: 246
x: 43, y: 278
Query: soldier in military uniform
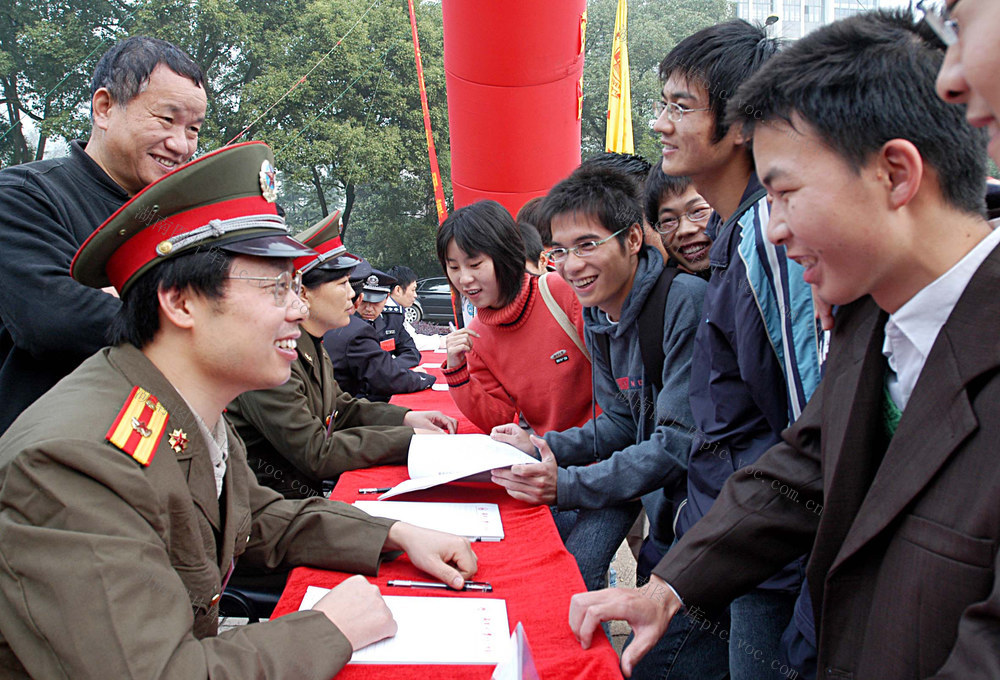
x: 362, y: 352
x: 308, y: 430
x: 125, y: 498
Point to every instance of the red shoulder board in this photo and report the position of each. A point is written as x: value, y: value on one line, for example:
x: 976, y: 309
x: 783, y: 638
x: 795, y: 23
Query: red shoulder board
x: 139, y: 426
x: 388, y: 345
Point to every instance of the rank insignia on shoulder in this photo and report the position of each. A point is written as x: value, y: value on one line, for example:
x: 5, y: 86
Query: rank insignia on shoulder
x: 139, y: 426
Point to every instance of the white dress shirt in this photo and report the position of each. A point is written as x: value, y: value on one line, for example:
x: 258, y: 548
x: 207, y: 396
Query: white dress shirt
x: 911, y: 331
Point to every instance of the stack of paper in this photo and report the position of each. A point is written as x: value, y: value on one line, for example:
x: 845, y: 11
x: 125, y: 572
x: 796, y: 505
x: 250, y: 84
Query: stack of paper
x: 475, y: 521
x: 435, y: 459
x: 436, y: 630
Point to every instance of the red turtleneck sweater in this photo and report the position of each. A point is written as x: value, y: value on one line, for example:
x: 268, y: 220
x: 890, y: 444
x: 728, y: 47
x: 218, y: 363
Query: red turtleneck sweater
x: 510, y: 368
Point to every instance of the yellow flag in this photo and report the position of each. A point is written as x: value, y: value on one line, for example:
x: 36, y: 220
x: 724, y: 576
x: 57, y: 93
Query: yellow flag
x: 619, y: 133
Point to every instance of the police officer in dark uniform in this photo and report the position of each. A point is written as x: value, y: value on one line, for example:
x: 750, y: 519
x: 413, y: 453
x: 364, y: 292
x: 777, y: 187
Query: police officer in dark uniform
x: 363, y: 361
x: 387, y: 321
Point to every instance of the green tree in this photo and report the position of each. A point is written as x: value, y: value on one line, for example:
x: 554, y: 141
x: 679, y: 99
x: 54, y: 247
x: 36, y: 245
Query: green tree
x: 48, y: 50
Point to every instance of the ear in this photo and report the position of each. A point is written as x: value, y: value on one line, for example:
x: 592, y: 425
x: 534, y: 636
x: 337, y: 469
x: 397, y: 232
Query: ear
x: 634, y: 241
x: 177, y: 306
x: 101, y: 104
x: 900, y: 168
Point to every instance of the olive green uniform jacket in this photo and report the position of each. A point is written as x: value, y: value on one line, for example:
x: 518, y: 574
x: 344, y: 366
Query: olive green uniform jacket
x: 112, y: 569
x: 309, y: 430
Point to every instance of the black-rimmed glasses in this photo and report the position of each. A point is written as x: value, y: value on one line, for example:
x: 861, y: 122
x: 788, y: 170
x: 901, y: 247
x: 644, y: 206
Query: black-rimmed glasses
x: 669, y: 225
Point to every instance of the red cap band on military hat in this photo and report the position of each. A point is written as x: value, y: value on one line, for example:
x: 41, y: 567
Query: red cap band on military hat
x: 140, y: 249
x: 321, y: 250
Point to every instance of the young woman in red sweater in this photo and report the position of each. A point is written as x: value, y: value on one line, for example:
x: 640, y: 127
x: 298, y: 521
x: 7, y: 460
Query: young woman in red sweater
x: 514, y: 357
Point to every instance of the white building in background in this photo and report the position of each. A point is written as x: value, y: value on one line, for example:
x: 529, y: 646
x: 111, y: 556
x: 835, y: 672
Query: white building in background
x: 798, y: 17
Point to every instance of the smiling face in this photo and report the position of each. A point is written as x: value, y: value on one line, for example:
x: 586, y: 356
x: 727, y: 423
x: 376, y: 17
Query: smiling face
x: 832, y: 221
x: 473, y: 276
x: 244, y: 340
x: 969, y: 73
x: 330, y: 306
x: 688, y: 244
x: 141, y: 140
x: 688, y: 146
x: 603, y: 278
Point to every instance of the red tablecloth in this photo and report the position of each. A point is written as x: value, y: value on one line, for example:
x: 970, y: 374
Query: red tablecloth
x: 435, y: 400
x: 530, y: 569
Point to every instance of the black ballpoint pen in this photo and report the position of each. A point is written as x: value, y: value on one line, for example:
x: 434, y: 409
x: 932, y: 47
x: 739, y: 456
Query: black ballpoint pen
x: 469, y: 585
x: 388, y: 488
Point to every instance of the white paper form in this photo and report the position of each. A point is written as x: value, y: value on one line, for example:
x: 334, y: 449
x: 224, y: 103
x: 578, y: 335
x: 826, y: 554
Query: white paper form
x: 436, y: 630
x: 475, y: 521
x: 435, y: 459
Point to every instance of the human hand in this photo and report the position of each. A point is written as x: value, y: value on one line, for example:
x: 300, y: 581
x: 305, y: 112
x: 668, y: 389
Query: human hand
x: 447, y: 557
x: 432, y: 421
x: 531, y: 482
x: 457, y: 343
x: 648, y: 610
x: 356, y: 607
x: 515, y: 435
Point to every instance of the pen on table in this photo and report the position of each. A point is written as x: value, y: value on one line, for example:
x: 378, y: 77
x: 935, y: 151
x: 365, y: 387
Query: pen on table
x: 469, y: 585
x: 388, y: 488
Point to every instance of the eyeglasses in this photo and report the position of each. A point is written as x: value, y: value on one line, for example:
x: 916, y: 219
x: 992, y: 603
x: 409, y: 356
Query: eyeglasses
x: 284, y: 283
x: 585, y: 249
x: 669, y: 225
x: 937, y: 15
x: 674, y: 110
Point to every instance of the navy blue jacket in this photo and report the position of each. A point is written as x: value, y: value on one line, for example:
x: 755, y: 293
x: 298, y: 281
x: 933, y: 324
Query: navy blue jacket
x: 756, y: 358
x: 393, y: 337
x: 366, y: 371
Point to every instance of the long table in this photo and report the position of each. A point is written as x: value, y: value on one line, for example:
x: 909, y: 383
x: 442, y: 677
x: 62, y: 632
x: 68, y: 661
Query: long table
x: 530, y: 569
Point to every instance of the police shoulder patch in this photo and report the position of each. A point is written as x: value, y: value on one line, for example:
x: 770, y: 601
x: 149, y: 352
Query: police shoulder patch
x: 139, y: 426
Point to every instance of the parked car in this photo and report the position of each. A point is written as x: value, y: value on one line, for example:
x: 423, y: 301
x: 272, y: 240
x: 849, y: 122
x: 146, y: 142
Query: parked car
x: 433, y: 302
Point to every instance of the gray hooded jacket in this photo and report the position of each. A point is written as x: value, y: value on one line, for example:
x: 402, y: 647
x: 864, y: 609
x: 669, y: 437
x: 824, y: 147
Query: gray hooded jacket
x: 636, y: 447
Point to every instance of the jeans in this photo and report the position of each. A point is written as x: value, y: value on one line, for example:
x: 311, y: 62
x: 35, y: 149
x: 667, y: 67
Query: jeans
x: 593, y: 537
x: 758, y: 620
x: 694, y: 647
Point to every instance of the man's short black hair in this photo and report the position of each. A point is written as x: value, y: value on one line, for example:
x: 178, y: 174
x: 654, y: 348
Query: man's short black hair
x: 125, y: 68
x: 863, y: 81
x: 138, y: 320
x: 608, y: 196
x: 631, y: 164
x: 485, y: 227
x: 720, y: 58
x: 404, y: 275
x: 659, y: 187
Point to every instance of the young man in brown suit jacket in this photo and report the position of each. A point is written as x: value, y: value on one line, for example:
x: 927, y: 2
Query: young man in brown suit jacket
x: 890, y: 476
x: 125, y: 497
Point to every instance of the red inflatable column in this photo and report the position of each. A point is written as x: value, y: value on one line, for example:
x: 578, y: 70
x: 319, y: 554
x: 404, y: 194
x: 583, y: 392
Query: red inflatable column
x: 513, y: 70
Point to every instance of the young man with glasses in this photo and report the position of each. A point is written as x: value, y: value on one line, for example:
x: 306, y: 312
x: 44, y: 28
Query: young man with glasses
x: 679, y: 215
x: 756, y: 357
x: 639, y: 318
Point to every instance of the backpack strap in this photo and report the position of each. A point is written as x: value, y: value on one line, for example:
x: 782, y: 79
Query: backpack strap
x: 559, y: 315
x: 651, y: 328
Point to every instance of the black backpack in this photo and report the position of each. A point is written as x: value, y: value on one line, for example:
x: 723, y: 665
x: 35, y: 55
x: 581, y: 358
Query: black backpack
x: 650, y: 331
